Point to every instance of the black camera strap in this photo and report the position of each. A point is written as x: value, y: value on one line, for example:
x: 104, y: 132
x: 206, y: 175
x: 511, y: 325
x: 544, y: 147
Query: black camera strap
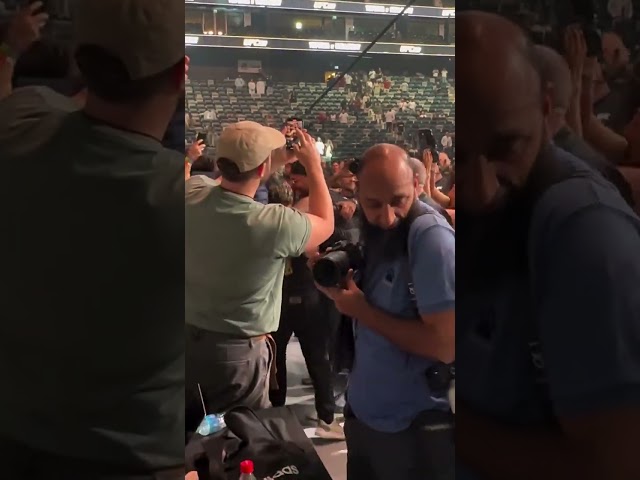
x: 441, y: 374
x: 547, y: 173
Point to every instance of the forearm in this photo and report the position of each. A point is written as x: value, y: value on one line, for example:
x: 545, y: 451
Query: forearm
x: 605, y: 140
x: 6, y: 74
x: 573, y: 115
x: 320, y: 203
x: 412, y: 336
x: 497, y: 452
x: 440, y: 198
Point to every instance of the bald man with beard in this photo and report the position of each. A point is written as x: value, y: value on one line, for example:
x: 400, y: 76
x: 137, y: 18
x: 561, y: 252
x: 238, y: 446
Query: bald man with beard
x: 398, y: 422
x: 548, y: 323
x: 557, y: 85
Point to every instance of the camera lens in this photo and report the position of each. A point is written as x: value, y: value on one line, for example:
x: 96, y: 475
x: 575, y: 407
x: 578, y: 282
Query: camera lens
x: 331, y: 269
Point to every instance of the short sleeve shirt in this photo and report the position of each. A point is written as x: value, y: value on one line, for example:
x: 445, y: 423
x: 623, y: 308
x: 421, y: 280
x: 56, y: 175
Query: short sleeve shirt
x: 235, y: 258
x: 388, y: 387
x: 92, y: 286
x: 583, y: 309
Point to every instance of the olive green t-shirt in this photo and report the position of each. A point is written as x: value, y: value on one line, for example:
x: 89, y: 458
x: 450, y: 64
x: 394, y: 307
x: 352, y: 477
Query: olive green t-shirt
x: 235, y: 252
x: 92, y: 329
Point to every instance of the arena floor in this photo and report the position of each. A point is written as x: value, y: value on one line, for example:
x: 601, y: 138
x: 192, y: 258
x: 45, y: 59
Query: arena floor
x: 333, y: 454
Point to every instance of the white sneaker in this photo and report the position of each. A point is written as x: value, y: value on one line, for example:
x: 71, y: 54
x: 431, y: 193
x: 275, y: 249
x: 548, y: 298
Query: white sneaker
x: 330, y: 431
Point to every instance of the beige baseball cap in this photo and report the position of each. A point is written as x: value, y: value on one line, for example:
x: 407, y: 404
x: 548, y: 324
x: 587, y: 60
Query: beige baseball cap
x: 146, y: 35
x: 248, y: 144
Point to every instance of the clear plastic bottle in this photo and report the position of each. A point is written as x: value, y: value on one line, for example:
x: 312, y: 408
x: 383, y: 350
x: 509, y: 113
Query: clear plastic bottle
x: 246, y: 470
x: 211, y: 424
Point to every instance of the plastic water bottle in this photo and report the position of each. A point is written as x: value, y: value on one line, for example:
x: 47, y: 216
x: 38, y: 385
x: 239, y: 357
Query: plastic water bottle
x: 211, y: 424
x: 246, y: 470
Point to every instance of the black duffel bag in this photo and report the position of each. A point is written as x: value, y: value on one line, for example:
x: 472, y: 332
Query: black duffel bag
x: 272, y: 439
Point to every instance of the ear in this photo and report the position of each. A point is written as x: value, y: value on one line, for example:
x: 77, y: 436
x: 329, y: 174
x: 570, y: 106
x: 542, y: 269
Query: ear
x: 180, y: 75
x: 262, y: 169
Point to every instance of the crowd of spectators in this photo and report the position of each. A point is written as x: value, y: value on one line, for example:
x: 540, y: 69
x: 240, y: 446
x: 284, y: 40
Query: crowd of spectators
x: 365, y: 101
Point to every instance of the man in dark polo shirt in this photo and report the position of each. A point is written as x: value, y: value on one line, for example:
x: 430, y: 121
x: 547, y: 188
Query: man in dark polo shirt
x: 548, y: 312
x: 556, y: 77
x: 91, y: 346
x: 236, y: 249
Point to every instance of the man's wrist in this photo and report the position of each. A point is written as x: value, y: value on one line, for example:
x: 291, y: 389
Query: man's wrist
x: 315, y: 169
x: 363, y: 310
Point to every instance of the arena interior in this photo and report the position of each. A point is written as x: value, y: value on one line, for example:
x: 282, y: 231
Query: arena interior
x: 271, y: 64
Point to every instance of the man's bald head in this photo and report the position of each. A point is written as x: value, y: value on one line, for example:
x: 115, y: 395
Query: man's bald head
x: 495, y: 56
x: 386, y: 185
x: 555, y: 76
x: 387, y: 159
x: 419, y: 170
x: 501, y: 113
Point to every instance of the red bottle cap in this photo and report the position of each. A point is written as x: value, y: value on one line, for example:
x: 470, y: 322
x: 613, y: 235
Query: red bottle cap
x: 246, y: 466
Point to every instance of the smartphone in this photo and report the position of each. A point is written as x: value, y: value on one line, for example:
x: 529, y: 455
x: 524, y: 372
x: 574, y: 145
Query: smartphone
x: 201, y: 136
x: 426, y: 139
x: 290, y: 125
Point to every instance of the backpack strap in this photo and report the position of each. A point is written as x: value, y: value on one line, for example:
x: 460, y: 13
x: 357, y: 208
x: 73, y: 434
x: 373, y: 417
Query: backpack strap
x: 441, y: 375
x: 547, y: 174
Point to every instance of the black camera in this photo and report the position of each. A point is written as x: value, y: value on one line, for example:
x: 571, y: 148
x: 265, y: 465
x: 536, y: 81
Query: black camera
x: 332, y: 268
x: 440, y: 376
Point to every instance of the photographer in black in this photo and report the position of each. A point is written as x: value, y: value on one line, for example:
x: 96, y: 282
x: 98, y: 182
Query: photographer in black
x: 398, y: 420
x: 311, y: 316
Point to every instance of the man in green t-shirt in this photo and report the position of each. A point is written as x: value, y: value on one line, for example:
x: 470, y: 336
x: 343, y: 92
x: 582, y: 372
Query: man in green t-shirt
x: 91, y: 345
x: 235, y: 255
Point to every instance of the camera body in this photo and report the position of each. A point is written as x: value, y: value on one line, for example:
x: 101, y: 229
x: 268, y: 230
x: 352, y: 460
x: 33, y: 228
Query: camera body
x: 333, y: 266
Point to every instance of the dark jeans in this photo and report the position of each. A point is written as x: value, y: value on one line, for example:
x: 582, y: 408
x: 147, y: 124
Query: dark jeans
x: 20, y: 462
x: 231, y: 372
x: 332, y: 317
x: 305, y: 315
x: 425, y: 450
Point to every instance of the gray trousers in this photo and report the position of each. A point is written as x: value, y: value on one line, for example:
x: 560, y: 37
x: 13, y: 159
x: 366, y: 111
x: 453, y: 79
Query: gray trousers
x: 231, y: 372
x: 424, y: 451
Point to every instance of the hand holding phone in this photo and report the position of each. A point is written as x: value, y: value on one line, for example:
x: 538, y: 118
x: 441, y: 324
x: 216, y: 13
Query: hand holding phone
x: 26, y: 26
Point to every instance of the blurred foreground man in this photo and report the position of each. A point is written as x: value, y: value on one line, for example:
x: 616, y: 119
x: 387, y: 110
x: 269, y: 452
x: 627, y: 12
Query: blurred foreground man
x: 548, y: 325
x: 91, y: 347
x: 398, y: 420
x: 236, y: 250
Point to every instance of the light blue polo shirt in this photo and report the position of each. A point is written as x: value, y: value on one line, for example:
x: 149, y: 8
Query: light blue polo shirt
x: 584, y: 304
x: 387, y: 387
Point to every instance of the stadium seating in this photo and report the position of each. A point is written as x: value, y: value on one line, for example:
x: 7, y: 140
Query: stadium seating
x: 433, y: 96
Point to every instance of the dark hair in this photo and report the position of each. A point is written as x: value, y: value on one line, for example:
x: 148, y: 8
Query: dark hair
x: 280, y: 192
x: 44, y: 59
x: 203, y: 164
x: 107, y: 77
x: 298, y: 169
x: 230, y: 171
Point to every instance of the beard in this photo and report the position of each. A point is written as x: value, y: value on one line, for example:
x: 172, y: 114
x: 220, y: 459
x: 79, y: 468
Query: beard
x: 387, y: 243
x: 495, y: 242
